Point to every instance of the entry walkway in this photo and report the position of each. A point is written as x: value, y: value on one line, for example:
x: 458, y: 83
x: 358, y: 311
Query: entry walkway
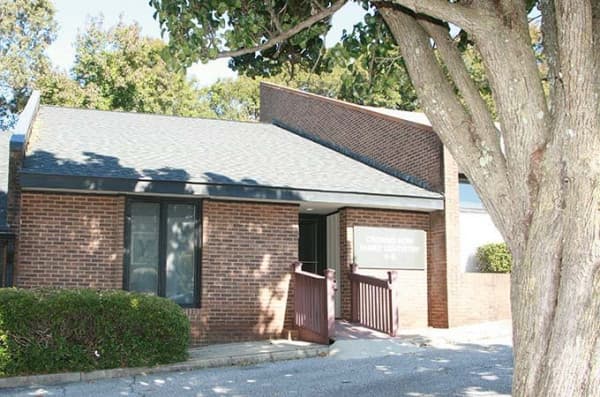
x: 354, y: 341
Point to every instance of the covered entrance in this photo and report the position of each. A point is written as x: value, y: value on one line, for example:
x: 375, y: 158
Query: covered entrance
x: 315, y: 277
x: 319, y: 247
x: 379, y: 259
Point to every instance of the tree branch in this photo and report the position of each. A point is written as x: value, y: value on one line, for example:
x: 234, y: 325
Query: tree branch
x: 550, y: 49
x: 578, y: 57
x: 596, y: 38
x: 450, y: 120
x: 468, y: 18
x: 513, y: 74
x: 488, y: 136
x: 274, y: 16
x: 307, y: 23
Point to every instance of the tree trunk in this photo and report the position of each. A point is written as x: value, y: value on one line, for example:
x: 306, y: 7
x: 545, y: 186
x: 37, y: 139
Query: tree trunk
x: 555, y: 291
x: 542, y: 189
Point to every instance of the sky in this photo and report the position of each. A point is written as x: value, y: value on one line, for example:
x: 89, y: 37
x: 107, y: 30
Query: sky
x: 71, y: 16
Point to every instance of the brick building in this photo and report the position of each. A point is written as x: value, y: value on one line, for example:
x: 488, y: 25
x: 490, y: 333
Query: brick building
x: 212, y: 213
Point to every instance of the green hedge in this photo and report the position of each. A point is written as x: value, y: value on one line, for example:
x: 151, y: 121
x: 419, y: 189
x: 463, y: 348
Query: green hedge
x: 494, y: 258
x: 46, y: 331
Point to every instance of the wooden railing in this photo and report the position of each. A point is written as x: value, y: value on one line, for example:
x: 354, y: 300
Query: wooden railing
x: 314, y: 304
x: 374, y: 301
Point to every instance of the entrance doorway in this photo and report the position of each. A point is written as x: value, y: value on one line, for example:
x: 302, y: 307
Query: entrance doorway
x: 312, y: 244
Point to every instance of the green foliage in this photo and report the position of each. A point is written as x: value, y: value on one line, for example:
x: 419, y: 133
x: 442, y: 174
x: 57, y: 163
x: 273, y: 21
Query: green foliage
x: 118, y: 69
x: 46, y: 331
x: 375, y: 73
x: 494, y: 258
x: 474, y: 63
x: 367, y: 62
x: 200, y: 29
x: 57, y: 88
x: 232, y: 99
x: 27, y: 27
x: 239, y: 98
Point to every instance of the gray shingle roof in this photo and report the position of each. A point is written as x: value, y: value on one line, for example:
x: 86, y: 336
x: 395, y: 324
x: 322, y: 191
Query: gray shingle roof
x: 80, y: 142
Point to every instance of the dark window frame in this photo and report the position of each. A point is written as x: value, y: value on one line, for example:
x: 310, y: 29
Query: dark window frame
x: 320, y: 224
x: 163, y: 202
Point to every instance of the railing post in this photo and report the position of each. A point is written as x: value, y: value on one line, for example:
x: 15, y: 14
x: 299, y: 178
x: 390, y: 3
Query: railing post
x: 329, y: 304
x: 392, y: 278
x: 296, y: 267
x: 298, y: 297
x: 355, y: 291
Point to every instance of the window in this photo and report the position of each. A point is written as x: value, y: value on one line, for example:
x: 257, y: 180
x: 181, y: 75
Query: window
x: 162, y: 249
x: 468, y: 196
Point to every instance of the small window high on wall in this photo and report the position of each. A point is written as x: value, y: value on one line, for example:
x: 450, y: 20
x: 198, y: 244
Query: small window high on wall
x: 468, y: 196
x: 162, y: 254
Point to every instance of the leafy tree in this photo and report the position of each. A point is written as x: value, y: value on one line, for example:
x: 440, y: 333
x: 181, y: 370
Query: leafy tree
x: 538, y: 174
x: 58, y: 88
x: 375, y: 73
x: 118, y: 69
x: 27, y: 27
x: 232, y: 99
x: 239, y: 98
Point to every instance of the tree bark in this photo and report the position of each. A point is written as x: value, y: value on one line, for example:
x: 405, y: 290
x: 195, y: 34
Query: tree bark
x: 543, y: 189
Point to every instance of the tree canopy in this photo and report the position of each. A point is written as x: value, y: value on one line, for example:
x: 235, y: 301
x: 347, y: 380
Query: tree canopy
x: 27, y: 27
x: 118, y: 69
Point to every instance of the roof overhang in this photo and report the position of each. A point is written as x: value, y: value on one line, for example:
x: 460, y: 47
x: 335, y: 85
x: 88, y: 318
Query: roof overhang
x: 21, y: 131
x: 108, y: 185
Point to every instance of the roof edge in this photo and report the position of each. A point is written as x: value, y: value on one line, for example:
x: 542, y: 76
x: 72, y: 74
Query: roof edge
x: 22, y: 130
x: 90, y: 184
x: 350, y: 105
x: 355, y: 156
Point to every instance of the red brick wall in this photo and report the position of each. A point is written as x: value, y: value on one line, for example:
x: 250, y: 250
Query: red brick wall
x: 247, y: 253
x: 68, y: 240
x: 413, y: 283
x: 410, y: 148
x: 437, y: 291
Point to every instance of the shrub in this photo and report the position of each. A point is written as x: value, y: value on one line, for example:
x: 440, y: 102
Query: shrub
x: 494, y: 258
x: 45, y: 331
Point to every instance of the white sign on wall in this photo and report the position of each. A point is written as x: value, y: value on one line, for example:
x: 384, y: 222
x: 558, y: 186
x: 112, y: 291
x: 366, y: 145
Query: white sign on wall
x: 389, y: 248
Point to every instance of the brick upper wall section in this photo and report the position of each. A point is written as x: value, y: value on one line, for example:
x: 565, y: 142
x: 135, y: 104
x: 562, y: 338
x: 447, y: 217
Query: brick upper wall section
x: 407, y: 147
x: 69, y: 240
x: 437, y: 287
x: 247, y: 252
x: 413, y: 299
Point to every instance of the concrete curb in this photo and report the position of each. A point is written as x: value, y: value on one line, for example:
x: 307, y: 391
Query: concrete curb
x: 247, y: 359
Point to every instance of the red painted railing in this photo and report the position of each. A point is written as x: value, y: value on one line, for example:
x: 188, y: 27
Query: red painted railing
x: 374, y: 301
x: 314, y: 304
